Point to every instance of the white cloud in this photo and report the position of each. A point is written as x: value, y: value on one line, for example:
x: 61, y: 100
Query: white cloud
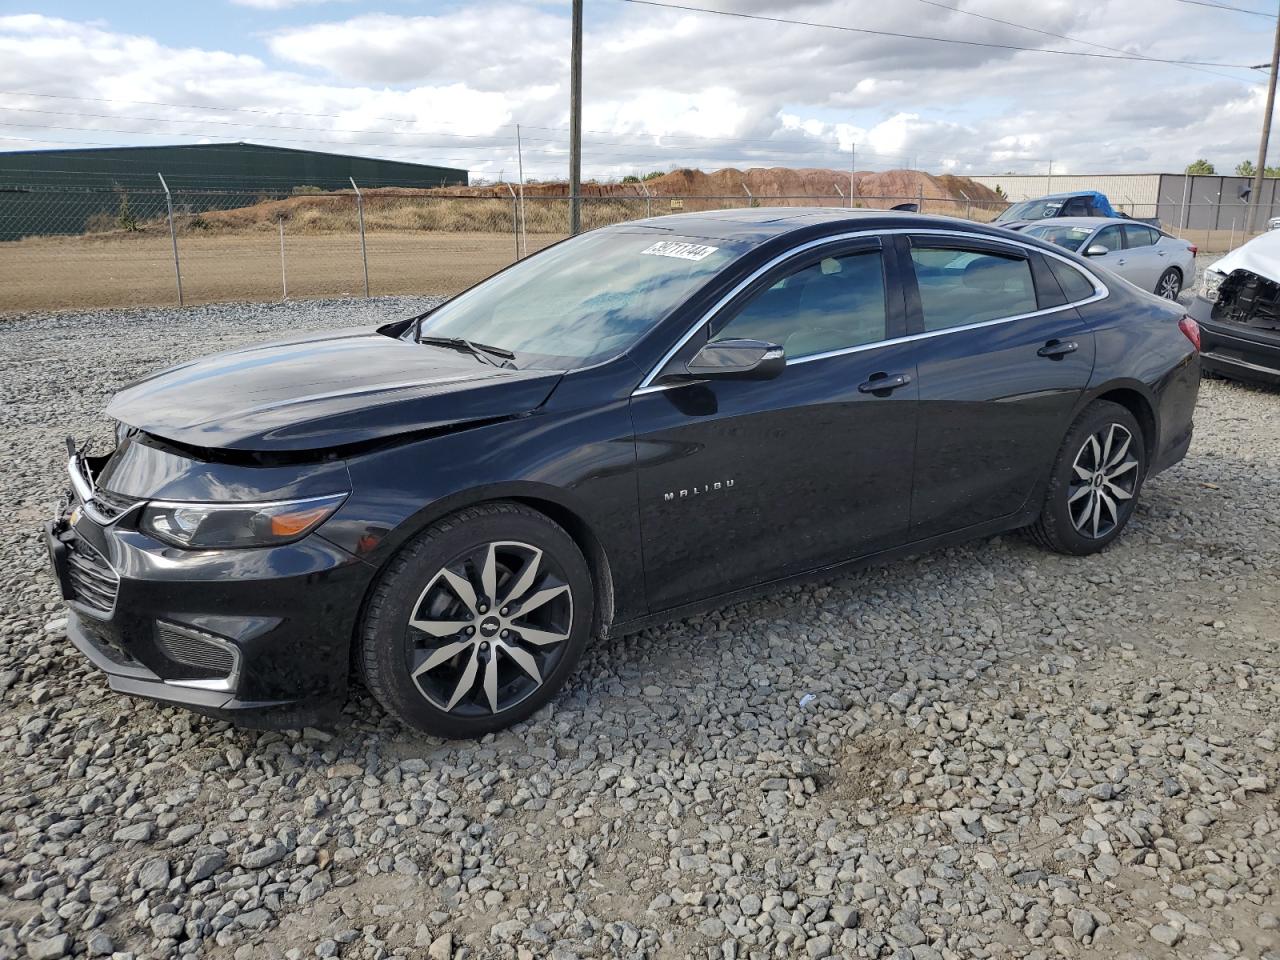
x: 668, y: 88
x: 281, y: 4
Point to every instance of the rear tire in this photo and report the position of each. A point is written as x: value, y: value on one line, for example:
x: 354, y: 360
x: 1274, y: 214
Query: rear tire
x: 1169, y: 285
x: 477, y: 622
x: 1094, y: 483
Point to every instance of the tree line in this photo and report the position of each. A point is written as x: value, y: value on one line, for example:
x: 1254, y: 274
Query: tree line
x: 1245, y: 168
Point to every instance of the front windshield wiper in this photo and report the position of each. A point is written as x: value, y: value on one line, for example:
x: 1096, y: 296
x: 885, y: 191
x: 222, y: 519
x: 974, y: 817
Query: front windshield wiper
x: 495, y: 356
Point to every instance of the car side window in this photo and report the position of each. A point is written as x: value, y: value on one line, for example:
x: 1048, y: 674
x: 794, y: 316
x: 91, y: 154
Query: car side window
x: 824, y: 305
x: 1074, y: 284
x: 1136, y: 235
x: 1108, y: 237
x: 959, y: 287
x: 1076, y: 207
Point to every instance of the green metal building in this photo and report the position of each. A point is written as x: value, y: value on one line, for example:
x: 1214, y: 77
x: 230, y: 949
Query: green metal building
x: 62, y: 191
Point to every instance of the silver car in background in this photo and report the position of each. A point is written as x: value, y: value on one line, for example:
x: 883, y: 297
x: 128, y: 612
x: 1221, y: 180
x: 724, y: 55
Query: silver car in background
x: 1144, y: 255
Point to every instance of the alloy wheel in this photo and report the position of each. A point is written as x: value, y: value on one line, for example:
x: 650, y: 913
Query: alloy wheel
x: 489, y: 627
x: 1170, y: 286
x: 1104, y: 476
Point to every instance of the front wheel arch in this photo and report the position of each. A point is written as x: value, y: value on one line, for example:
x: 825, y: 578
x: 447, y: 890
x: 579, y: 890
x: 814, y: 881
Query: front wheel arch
x: 579, y: 530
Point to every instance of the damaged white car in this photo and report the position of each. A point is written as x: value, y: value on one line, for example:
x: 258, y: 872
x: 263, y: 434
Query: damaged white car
x: 1238, y: 309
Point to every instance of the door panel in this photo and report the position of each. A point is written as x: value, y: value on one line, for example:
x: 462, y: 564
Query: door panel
x: 993, y: 411
x: 1116, y: 258
x: 1145, y: 263
x: 743, y: 482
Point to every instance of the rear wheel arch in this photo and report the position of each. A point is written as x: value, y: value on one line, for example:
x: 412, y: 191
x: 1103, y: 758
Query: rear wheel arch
x: 1143, y: 411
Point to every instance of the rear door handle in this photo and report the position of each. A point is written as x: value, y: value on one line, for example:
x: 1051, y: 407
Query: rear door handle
x: 1057, y: 349
x: 1120, y: 261
x: 883, y: 384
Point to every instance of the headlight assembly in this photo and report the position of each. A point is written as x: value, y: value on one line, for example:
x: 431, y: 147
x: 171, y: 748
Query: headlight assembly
x: 1209, y: 284
x: 223, y: 525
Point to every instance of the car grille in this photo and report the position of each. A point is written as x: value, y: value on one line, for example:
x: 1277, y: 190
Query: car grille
x: 111, y: 505
x: 206, y: 657
x: 91, y: 578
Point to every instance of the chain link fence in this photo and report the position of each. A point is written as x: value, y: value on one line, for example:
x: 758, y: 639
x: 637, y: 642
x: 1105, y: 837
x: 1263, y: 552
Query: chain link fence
x: 89, y: 248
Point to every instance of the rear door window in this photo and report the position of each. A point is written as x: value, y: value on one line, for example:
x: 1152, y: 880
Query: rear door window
x: 959, y: 286
x: 1136, y: 235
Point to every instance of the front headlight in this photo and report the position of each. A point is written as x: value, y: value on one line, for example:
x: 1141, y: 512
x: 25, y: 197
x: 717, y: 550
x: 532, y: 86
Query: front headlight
x: 222, y: 525
x: 1209, y: 284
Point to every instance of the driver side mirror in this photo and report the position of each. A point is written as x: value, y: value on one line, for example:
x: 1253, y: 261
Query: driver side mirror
x: 737, y: 360
x: 1096, y: 250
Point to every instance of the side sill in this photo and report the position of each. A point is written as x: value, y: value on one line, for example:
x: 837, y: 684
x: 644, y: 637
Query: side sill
x: 990, y: 528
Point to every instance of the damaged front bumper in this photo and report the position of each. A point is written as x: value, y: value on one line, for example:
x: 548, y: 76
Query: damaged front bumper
x: 1245, y: 351
x: 260, y: 636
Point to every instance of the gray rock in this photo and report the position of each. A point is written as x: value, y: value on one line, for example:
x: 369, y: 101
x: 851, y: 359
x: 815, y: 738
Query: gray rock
x: 167, y: 926
x: 441, y: 947
x: 51, y: 948
x: 154, y: 874
x: 271, y: 852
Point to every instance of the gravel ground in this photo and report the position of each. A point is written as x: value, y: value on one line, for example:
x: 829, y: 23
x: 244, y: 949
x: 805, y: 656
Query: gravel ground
x: 985, y: 751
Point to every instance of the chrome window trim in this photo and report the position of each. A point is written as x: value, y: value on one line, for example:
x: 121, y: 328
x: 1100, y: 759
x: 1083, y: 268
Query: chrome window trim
x: 1100, y: 292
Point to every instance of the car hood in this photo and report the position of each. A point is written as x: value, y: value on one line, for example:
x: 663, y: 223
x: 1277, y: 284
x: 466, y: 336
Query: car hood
x: 1261, y: 255
x: 322, y: 391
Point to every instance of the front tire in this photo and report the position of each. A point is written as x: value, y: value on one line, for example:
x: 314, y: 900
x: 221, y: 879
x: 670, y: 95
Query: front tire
x: 1169, y: 285
x: 1094, y: 483
x: 477, y: 622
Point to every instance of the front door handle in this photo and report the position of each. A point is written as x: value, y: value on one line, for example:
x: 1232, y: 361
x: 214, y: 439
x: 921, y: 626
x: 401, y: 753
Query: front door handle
x: 1120, y: 261
x: 883, y: 384
x: 1057, y: 349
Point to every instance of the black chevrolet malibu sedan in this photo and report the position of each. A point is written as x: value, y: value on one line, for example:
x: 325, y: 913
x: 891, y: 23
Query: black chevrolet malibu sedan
x: 632, y: 425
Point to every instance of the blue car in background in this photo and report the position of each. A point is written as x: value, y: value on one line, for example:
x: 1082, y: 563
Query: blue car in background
x: 1079, y: 203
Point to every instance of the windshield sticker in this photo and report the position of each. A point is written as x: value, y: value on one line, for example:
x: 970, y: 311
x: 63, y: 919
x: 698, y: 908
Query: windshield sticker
x: 680, y: 250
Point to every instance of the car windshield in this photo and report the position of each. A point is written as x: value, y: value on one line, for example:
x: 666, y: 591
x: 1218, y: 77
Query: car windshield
x: 583, y: 300
x: 1032, y: 210
x: 1063, y: 236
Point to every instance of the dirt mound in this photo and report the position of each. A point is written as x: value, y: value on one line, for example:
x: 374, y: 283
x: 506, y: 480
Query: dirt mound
x: 770, y: 182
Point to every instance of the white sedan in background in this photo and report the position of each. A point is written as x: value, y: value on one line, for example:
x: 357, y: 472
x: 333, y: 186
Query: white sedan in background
x: 1145, y: 256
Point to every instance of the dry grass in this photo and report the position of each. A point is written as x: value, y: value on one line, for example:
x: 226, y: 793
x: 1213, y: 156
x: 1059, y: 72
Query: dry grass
x: 127, y: 270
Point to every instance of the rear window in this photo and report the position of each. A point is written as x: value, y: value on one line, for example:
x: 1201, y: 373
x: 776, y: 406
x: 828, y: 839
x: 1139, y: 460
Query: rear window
x: 1074, y: 283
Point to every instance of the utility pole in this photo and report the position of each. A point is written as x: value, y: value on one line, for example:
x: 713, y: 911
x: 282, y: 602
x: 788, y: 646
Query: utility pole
x: 853, y: 152
x: 1266, y: 134
x: 575, y: 122
x: 520, y: 160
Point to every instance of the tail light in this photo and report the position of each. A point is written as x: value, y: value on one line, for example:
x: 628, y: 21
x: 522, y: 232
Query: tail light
x: 1195, y: 251
x: 1191, y: 330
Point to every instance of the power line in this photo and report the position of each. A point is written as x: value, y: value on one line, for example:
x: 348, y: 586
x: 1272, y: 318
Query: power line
x: 1063, y: 36
x: 951, y: 40
x: 1227, y: 6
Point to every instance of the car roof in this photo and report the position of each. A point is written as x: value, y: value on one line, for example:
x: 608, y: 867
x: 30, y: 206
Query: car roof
x: 1069, y: 194
x: 757, y: 224
x: 1091, y: 222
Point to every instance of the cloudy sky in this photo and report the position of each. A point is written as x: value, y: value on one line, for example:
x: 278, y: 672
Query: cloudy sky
x: 448, y: 82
